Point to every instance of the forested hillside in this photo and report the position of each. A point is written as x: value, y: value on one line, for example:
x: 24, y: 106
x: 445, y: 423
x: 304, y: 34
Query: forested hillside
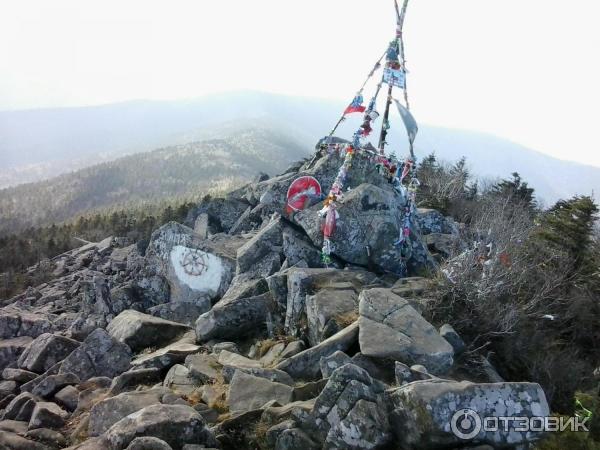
x: 182, y: 171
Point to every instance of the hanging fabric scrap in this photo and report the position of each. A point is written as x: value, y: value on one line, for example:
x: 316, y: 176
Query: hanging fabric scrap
x: 356, y: 105
x: 300, y: 193
x: 409, y: 121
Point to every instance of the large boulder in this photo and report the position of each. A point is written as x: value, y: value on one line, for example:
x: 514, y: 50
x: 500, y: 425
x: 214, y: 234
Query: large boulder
x: 140, y: 331
x: 234, y: 318
x: 425, y: 413
x: 11, y: 349
x: 15, y: 322
x: 99, y: 355
x: 268, y: 241
x: 328, y: 311
x: 45, y: 351
x: 370, y: 220
x: 177, y: 425
x: 107, y: 412
x: 350, y: 412
x: 302, y: 282
x: 306, y: 364
x: 248, y: 392
x: 47, y: 415
x: 196, y: 269
x: 391, y: 328
x: 169, y: 355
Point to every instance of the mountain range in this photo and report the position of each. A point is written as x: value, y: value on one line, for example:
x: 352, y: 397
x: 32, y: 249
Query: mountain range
x: 57, y: 163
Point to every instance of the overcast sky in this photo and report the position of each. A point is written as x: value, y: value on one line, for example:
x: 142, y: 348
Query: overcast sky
x: 527, y: 70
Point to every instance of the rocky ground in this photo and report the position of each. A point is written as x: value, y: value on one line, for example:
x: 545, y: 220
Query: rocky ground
x: 227, y: 332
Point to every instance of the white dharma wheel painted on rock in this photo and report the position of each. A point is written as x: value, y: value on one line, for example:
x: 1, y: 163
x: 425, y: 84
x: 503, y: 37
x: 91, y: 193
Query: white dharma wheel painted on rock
x: 199, y: 270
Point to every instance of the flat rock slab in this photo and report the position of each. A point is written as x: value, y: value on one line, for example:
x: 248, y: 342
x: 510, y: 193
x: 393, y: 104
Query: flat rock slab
x: 305, y: 365
x: 234, y: 318
x: 247, y: 392
x: 177, y: 425
x: 99, y: 355
x: 140, y: 331
x: 423, y: 412
x: 45, y: 351
x: 11, y: 349
x: 391, y: 328
x: 167, y: 356
x: 47, y: 415
x: 106, y: 413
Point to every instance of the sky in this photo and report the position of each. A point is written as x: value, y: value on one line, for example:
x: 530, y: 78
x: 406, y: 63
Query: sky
x: 526, y: 70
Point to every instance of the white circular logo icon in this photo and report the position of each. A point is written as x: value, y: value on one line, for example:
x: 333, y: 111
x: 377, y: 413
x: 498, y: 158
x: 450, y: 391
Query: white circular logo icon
x: 465, y: 424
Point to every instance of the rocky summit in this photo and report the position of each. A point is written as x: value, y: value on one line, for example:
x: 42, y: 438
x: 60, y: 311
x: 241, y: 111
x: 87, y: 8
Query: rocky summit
x: 228, y: 331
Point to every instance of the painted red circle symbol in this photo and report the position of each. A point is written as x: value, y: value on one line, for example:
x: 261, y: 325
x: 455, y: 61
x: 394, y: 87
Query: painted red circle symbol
x: 301, y: 191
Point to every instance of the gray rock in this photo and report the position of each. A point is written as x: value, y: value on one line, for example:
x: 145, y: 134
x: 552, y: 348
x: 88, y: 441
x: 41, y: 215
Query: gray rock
x: 405, y: 374
x: 194, y: 267
x: 305, y: 365
x: 54, y: 383
x: 368, y: 216
x: 133, y: 378
x: 7, y: 388
x: 15, y: 322
x: 140, y: 331
x: 19, y: 375
x: 242, y: 287
x: 175, y: 424
x: 99, y: 355
x: 11, y: 349
x: 268, y: 240
x: 235, y: 318
x: 229, y: 346
x: 432, y: 221
x: 301, y: 282
x: 295, y: 438
x: 166, y: 357
x: 453, y: 338
x: 350, y: 412
x: 278, y: 376
x: 179, y: 380
x: 47, y: 415
x: 204, y: 368
x: 247, y: 392
x: 423, y: 412
x: 391, y: 328
x: 68, y: 398
x: 293, y: 348
x: 328, y: 311
x: 30, y: 385
x: 330, y: 363
x: 309, y: 390
x: 45, y: 351
x: 12, y: 441
x: 148, y: 443
x: 181, y: 312
x: 107, y: 412
x: 5, y: 401
x: 297, y: 247
x: 227, y: 358
x: 46, y: 436
x: 21, y: 407
x: 13, y: 426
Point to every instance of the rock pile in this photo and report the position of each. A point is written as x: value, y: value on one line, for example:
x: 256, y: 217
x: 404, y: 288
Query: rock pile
x: 228, y: 332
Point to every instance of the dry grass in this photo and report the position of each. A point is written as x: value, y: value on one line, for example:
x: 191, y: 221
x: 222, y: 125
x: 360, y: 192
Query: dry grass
x: 260, y: 434
x: 346, y: 319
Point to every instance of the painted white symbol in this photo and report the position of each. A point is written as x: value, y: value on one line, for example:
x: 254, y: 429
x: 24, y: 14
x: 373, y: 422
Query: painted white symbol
x: 193, y: 262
